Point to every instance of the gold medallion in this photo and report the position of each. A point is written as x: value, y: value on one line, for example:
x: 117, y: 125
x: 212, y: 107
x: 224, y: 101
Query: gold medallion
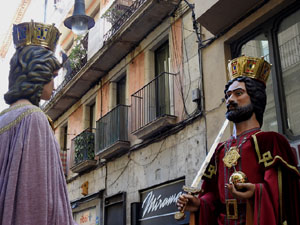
x: 231, y: 157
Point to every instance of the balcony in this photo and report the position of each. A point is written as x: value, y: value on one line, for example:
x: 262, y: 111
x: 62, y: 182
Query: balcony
x: 83, y: 151
x: 152, y: 107
x: 132, y: 27
x: 218, y: 15
x: 112, y: 133
x: 69, y: 72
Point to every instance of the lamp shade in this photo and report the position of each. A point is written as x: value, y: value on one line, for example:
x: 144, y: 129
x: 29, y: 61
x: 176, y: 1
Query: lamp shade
x: 79, y: 22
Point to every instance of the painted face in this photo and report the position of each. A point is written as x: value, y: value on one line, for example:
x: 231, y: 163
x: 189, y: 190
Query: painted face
x: 239, y: 106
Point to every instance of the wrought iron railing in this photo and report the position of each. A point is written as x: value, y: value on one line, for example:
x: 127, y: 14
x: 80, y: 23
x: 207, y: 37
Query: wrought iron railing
x: 83, y: 147
x: 112, y: 127
x: 154, y: 100
x: 290, y: 53
x: 123, y: 18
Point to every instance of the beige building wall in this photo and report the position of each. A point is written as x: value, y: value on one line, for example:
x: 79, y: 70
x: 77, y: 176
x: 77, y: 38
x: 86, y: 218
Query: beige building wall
x: 182, y: 153
x: 215, y: 58
x: 178, y: 155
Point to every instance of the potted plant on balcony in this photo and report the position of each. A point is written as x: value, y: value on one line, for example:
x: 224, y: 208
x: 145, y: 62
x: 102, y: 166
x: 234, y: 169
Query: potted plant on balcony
x: 84, y: 147
x: 77, y: 54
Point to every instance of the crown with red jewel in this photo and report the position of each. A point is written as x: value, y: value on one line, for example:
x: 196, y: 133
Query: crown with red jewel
x: 32, y: 33
x: 253, y: 67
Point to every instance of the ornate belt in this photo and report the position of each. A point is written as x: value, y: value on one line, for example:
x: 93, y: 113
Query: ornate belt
x: 232, y: 209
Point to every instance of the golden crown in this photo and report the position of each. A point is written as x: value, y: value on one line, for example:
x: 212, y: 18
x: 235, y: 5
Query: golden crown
x: 32, y: 33
x: 257, y: 68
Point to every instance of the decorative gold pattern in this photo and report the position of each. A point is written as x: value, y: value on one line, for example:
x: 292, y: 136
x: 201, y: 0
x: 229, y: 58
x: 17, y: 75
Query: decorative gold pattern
x: 231, y: 157
x: 231, y: 206
x: 276, y: 157
x: 179, y: 215
x: 32, y: 33
x: 252, y: 67
x: 238, y: 177
x: 212, y: 170
x: 18, y: 119
x: 13, y: 108
x: 265, y: 158
x: 50, y: 122
x: 192, y: 190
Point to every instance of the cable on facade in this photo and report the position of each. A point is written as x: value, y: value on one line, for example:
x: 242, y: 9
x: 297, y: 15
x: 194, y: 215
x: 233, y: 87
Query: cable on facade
x: 200, y: 84
x: 105, y: 179
x: 121, y: 173
x: 153, y: 159
x: 188, y: 68
x: 137, y: 163
x: 180, y: 68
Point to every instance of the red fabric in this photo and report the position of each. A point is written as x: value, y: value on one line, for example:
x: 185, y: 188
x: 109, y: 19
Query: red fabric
x: 285, y: 158
x: 266, y: 199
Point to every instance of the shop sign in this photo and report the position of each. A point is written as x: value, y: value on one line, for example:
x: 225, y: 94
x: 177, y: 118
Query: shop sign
x: 158, y: 205
x: 86, y: 217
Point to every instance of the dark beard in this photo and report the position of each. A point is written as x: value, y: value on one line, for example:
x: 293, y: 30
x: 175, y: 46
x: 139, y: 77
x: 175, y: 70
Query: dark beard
x: 239, y: 114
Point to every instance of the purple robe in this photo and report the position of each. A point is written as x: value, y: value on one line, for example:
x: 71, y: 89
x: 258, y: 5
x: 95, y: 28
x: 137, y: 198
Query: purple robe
x: 32, y: 184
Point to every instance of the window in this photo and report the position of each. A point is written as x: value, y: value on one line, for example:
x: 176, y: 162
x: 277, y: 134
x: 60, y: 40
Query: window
x: 289, y: 49
x: 89, y: 115
x: 64, y: 147
x: 115, y: 210
x: 162, y: 80
x: 279, y: 41
x: 88, y: 210
x: 121, y: 91
x: 112, y: 128
x: 92, y: 116
x: 259, y: 46
x: 65, y: 138
x: 162, y: 59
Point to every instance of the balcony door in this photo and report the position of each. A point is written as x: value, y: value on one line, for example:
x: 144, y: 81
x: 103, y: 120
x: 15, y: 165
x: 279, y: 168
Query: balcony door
x: 121, y: 91
x: 92, y: 116
x: 162, y: 94
x: 120, y: 113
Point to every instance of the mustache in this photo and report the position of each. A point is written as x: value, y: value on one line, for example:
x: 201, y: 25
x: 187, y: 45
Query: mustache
x: 232, y: 104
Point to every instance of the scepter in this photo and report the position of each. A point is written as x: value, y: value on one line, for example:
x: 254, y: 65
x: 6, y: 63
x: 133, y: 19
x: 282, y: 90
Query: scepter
x: 193, y: 189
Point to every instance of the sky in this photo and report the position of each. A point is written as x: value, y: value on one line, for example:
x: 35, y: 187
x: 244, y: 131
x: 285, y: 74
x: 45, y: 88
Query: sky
x: 7, y: 13
x: 35, y: 11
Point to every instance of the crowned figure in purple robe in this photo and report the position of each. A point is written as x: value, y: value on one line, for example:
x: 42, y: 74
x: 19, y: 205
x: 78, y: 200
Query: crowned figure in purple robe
x: 33, y: 188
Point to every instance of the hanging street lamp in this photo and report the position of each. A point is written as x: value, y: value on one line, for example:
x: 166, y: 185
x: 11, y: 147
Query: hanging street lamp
x: 79, y: 22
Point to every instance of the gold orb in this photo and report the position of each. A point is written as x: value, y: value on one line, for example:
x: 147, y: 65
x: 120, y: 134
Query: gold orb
x: 238, y: 177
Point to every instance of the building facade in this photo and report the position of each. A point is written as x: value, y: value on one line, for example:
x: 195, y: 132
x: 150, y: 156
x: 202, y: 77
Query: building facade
x: 136, y: 118
x: 258, y: 28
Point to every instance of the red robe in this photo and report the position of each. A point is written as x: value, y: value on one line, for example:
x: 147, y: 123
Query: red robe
x: 269, y: 163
